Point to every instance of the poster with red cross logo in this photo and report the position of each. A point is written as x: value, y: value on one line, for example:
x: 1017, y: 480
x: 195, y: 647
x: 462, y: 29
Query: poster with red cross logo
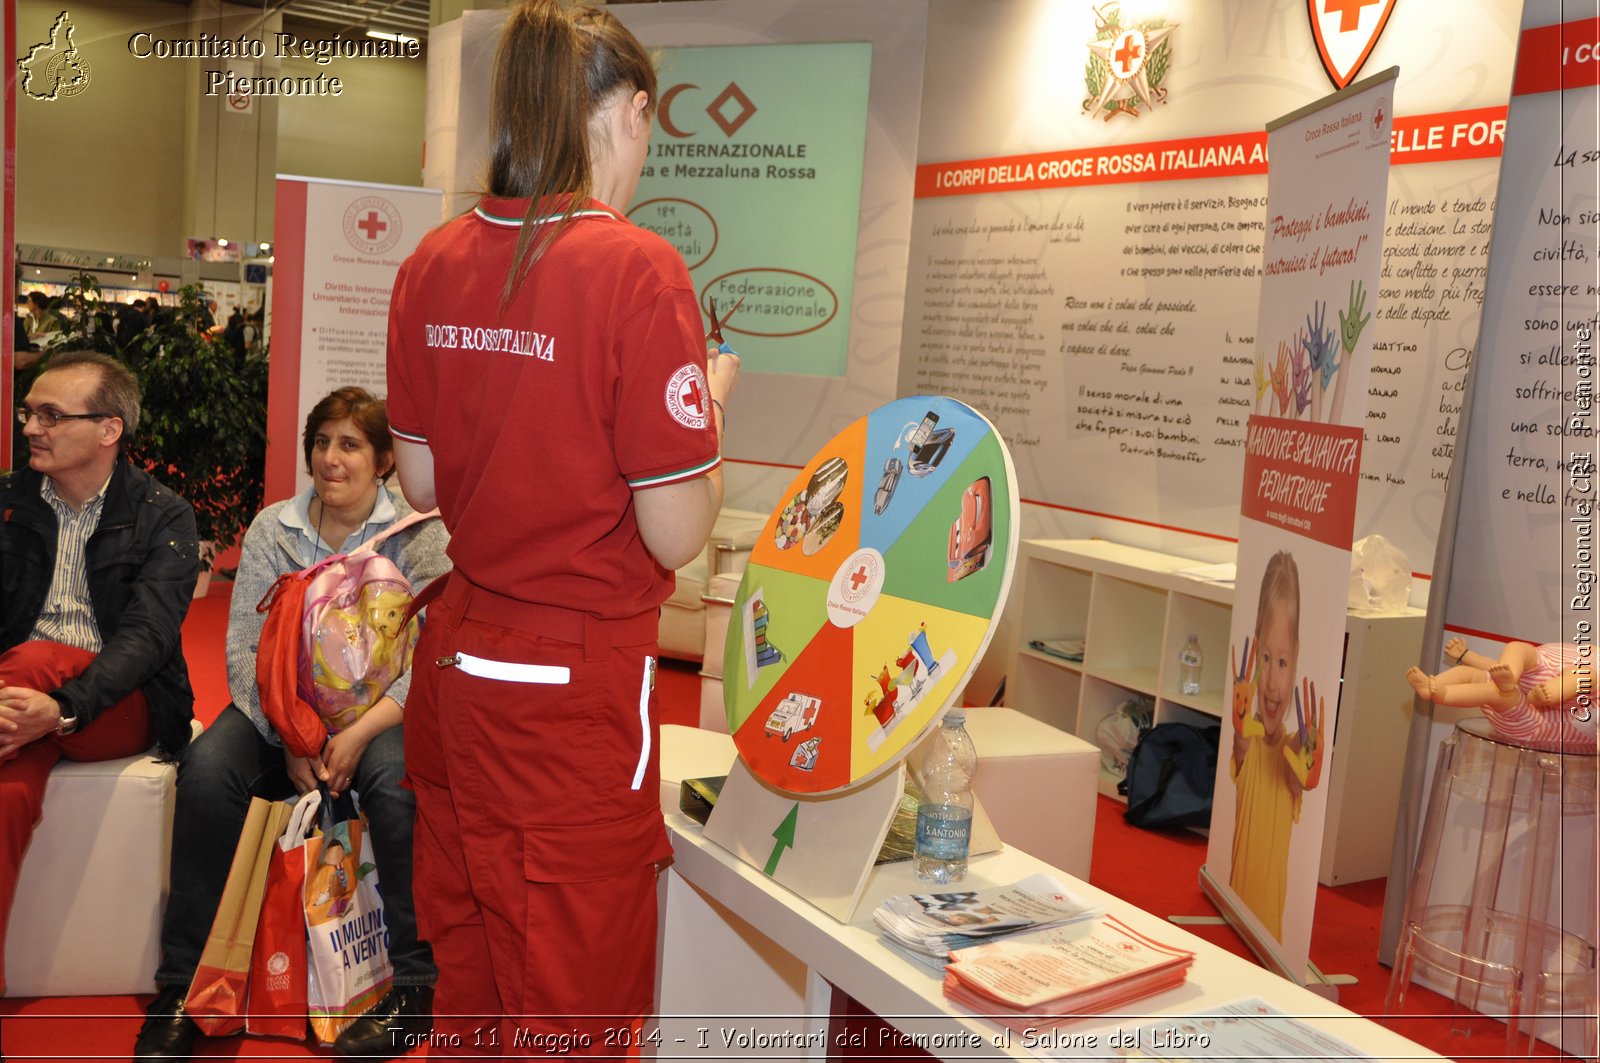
x: 339, y: 246
x: 870, y: 595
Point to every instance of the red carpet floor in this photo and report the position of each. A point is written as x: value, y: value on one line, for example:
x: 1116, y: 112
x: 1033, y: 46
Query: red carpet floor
x: 1155, y: 870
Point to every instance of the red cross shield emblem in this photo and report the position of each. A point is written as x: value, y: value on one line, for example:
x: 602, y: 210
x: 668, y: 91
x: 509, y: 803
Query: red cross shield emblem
x: 1346, y: 31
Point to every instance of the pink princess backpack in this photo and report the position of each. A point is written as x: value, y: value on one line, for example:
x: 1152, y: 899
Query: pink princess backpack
x: 339, y: 632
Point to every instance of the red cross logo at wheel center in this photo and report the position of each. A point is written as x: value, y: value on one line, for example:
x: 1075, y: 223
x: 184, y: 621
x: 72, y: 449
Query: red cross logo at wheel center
x: 694, y: 398
x: 372, y: 226
x: 1349, y: 12
x: 1128, y: 53
x: 853, y: 591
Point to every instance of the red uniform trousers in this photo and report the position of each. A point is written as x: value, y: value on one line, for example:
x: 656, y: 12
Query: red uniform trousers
x: 538, y: 826
x: 122, y: 730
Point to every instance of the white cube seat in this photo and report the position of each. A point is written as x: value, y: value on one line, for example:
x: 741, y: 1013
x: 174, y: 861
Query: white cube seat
x: 691, y: 753
x: 718, y: 599
x: 93, y: 885
x: 683, y: 616
x: 1037, y: 784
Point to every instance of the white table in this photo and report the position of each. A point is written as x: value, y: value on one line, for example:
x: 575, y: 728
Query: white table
x: 747, y: 969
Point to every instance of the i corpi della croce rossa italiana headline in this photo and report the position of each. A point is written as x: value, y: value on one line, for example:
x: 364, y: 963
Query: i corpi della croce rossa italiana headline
x: 238, y: 83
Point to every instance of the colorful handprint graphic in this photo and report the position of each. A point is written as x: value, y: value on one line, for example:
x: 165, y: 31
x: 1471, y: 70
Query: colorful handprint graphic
x: 1350, y: 325
x: 1322, y: 344
x: 1305, y: 756
x: 1244, y: 693
x: 1280, y: 379
x: 1301, y: 365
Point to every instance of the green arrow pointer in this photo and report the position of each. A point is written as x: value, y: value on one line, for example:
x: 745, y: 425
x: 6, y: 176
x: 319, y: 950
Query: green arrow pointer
x: 784, y: 836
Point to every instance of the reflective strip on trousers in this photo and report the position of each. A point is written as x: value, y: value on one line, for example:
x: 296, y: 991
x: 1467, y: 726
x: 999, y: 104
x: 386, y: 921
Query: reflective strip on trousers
x: 483, y: 668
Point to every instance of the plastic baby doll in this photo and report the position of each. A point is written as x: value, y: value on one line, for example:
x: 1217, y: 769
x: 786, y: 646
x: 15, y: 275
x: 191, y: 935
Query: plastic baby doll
x: 1535, y: 696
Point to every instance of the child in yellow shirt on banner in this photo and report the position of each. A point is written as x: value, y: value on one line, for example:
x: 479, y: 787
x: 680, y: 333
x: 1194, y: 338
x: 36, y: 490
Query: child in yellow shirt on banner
x: 1272, y: 764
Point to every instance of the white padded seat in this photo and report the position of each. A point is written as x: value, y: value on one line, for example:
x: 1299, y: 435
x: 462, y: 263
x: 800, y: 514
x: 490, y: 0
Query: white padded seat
x: 691, y: 753
x: 683, y: 616
x: 718, y: 599
x: 93, y: 885
x: 1037, y: 784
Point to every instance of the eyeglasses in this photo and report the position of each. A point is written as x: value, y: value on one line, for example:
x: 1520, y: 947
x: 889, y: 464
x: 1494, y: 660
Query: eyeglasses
x: 48, y: 418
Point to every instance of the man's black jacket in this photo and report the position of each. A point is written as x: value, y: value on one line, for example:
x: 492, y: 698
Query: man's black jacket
x: 143, y: 561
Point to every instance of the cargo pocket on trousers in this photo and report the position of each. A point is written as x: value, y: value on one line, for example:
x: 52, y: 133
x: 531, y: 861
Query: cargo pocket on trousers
x: 584, y: 852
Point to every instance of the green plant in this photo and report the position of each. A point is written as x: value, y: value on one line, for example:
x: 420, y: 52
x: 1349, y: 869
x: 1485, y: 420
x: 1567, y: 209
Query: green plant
x: 202, y: 428
x: 86, y: 321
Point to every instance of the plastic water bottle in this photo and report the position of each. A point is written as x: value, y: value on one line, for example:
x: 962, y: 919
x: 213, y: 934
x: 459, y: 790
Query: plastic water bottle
x: 1190, y: 658
x: 944, y: 818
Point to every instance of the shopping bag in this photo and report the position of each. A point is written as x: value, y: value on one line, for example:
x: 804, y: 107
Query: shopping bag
x: 216, y: 999
x: 346, y: 927
x: 278, y: 975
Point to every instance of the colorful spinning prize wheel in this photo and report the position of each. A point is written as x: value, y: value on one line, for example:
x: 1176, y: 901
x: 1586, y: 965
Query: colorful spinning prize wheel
x: 870, y: 595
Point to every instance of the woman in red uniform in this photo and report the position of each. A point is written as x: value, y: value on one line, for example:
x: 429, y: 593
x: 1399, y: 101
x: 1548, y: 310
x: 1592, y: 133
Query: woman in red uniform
x: 549, y: 389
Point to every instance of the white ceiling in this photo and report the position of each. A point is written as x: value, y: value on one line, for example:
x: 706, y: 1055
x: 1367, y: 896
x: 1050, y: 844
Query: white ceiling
x: 396, y: 16
x: 348, y: 17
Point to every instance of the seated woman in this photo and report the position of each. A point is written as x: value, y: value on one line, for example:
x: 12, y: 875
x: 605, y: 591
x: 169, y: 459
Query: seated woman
x: 349, y: 453
x: 1537, y: 696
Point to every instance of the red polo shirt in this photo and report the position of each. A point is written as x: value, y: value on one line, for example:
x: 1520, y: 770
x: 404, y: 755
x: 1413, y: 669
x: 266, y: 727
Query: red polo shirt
x: 545, y: 417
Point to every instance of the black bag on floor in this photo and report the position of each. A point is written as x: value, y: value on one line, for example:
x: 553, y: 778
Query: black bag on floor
x: 1171, y: 775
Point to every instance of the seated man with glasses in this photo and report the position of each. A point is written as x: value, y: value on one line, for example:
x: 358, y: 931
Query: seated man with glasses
x: 98, y: 564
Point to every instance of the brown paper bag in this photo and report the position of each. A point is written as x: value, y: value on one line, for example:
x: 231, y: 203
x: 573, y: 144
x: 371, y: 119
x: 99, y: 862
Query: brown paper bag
x: 216, y: 1000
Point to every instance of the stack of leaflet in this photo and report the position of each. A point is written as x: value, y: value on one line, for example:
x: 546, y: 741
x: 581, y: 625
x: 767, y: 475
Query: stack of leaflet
x: 1048, y: 979
x: 930, y: 925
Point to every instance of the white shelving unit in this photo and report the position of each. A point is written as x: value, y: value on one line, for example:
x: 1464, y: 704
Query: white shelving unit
x: 1135, y: 611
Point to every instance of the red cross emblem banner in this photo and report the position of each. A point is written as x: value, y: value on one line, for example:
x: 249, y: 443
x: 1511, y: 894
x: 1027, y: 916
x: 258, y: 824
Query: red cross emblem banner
x: 870, y: 595
x: 1322, y: 256
x: 1346, y: 31
x: 339, y: 245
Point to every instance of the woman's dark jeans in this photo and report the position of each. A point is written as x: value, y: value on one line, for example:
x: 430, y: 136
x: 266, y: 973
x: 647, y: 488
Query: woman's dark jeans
x: 220, y: 771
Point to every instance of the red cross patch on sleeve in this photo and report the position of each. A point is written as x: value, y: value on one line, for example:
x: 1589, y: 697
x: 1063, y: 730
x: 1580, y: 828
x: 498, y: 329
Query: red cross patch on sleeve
x: 688, y: 397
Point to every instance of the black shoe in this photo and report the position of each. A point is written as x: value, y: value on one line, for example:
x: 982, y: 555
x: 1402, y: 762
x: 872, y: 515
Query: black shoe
x: 168, y: 1032
x: 392, y: 1025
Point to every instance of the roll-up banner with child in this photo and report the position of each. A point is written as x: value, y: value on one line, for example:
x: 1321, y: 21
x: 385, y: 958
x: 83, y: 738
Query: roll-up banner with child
x: 1324, y: 247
